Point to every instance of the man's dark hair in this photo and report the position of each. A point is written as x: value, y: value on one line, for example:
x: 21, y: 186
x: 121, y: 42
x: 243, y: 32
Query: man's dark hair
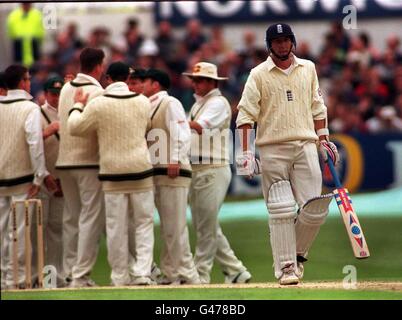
x: 118, y: 71
x: 159, y: 76
x: 3, y: 84
x: 90, y: 58
x: 138, y: 74
x: 13, y: 75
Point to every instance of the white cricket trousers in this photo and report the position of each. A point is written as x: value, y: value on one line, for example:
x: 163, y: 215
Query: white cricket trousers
x: 207, y: 193
x: 83, y: 220
x: 296, y: 162
x: 176, y: 258
x: 118, y: 233
x: 7, y: 240
x: 53, y: 208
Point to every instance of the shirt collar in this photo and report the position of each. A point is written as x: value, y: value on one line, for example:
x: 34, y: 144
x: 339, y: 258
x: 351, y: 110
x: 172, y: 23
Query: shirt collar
x: 295, y: 62
x: 17, y: 94
x: 155, y: 98
x: 50, y: 107
x: 117, y: 88
x: 82, y: 77
x: 214, y: 92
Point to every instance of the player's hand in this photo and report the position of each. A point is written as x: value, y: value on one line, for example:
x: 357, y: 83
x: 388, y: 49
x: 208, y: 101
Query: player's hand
x: 247, y: 164
x: 59, y: 192
x: 51, y: 184
x: 51, y: 129
x: 33, y: 191
x: 81, y: 97
x: 328, y: 148
x: 173, y: 170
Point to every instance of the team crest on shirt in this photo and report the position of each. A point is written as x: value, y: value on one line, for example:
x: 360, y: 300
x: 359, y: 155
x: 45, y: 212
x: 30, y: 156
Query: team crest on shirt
x: 289, y: 95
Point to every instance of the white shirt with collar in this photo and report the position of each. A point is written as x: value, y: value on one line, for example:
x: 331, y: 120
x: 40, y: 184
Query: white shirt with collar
x: 214, y: 114
x: 117, y: 88
x: 180, y: 132
x: 82, y: 78
x: 51, y: 111
x: 33, y: 131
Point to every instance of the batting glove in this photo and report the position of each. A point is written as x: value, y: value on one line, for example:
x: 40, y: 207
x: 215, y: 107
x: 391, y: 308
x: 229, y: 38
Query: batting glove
x: 247, y: 164
x: 329, y: 148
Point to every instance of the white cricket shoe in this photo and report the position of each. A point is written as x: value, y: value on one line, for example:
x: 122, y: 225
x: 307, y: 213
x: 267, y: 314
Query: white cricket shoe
x: 143, y: 281
x: 289, y: 276
x: 300, y: 266
x: 156, y: 273
x: 82, y: 283
x: 242, y: 277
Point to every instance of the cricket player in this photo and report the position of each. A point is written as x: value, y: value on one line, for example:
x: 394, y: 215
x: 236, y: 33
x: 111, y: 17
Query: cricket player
x: 172, y: 177
x: 22, y: 164
x: 136, y: 80
x: 135, y: 84
x: 78, y: 165
x: 283, y: 96
x: 210, y: 120
x: 53, y: 203
x: 120, y: 118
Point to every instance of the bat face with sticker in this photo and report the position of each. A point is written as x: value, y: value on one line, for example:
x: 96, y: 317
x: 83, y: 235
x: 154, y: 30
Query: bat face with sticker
x: 349, y: 216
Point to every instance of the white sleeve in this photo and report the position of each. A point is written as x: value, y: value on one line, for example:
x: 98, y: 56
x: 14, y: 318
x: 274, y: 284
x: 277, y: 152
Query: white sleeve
x: 33, y: 135
x: 318, y: 106
x: 214, y: 115
x: 249, y: 104
x: 180, y: 133
x: 79, y: 123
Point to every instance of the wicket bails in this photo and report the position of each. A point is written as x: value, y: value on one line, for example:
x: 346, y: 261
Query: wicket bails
x: 28, y: 244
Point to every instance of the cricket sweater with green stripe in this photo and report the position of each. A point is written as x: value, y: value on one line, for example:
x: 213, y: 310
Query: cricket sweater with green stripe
x: 119, y: 118
x: 77, y: 152
x: 16, y: 167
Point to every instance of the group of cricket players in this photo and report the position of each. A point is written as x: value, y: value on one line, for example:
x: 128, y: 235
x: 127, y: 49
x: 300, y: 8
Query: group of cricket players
x: 103, y: 159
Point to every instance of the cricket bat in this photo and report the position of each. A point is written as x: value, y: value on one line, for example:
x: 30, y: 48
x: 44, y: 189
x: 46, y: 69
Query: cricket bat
x: 349, y: 216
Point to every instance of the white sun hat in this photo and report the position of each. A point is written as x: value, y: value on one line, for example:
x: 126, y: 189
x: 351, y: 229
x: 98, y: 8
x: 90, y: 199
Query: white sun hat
x: 205, y: 70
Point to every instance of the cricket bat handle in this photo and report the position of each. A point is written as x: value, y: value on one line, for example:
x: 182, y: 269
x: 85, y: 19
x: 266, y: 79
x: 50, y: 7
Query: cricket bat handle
x: 335, y: 177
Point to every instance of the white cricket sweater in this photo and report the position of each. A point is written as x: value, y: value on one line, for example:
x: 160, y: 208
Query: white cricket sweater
x: 284, y: 106
x: 119, y: 118
x: 77, y: 152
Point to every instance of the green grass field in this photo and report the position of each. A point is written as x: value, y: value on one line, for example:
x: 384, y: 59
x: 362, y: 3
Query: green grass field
x: 249, y: 239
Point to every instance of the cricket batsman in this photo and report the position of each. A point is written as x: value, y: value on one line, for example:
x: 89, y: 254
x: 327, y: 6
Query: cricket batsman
x: 283, y: 97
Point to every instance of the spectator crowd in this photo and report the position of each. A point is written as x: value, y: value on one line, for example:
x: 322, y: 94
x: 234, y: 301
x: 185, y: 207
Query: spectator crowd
x: 362, y: 85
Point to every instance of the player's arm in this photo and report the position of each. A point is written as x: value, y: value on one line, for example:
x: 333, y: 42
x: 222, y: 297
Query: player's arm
x: 213, y: 117
x: 81, y: 119
x: 180, y: 136
x: 319, y: 111
x: 249, y: 109
x: 194, y: 125
x: 33, y: 134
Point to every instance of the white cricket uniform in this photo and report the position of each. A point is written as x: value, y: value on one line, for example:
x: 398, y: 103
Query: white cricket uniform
x: 209, y: 185
x: 78, y: 165
x: 120, y: 118
x: 167, y: 115
x: 53, y: 205
x: 22, y: 162
x: 285, y: 105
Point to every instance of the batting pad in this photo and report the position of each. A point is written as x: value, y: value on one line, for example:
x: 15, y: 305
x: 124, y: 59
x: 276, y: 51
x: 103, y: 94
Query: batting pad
x: 312, y: 215
x: 282, y: 212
